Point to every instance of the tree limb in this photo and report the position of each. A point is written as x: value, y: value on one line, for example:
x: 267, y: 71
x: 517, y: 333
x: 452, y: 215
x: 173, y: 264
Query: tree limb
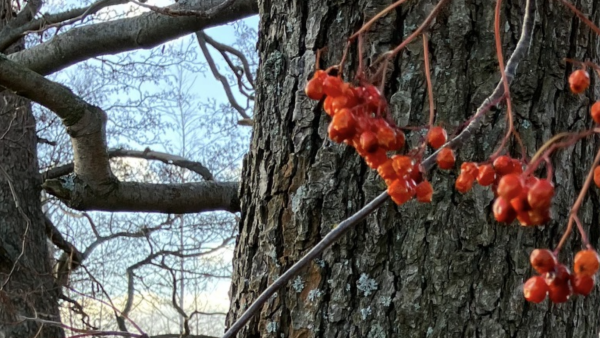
x: 14, y: 31
x: 144, y: 31
x: 94, y: 186
x: 147, y: 154
x: 147, y: 197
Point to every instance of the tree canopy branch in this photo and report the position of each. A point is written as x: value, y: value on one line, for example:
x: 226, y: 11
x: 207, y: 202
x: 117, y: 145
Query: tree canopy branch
x: 144, y: 31
x: 147, y: 197
x: 147, y: 154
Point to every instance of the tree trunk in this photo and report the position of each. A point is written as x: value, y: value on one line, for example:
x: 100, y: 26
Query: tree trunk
x: 440, y: 270
x: 27, y: 288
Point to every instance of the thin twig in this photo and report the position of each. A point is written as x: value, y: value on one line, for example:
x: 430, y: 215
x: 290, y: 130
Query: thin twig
x: 498, y: 93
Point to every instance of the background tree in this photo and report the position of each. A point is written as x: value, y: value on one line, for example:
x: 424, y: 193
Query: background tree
x: 440, y: 270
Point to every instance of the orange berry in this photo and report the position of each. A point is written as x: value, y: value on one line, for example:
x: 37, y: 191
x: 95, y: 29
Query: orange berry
x: 403, y: 165
x: 327, y: 105
x: 445, y: 158
x: 368, y: 141
x: 437, y: 137
x: 376, y: 159
x: 540, y: 194
x: 386, y: 136
x: 535, y: 289
x: 597, y: 176
x: 424, y: 192
x: 503, y: 165
x: 340, y: 102
x: 595, y: 112
x: 399, y: 141
x: 582, y: 285
x: 386, y: 170
x: 470, y: 167
x: 314, y: 89
x: 579, y: 81
x: 586, y: 263
x: 559, y: 293
x: 464, y: 182
x: 542, y: 260
x: 400, y: 191
x: 332, y: 86
x: 342, y: 126
x: 503, y: 212
x: 486, y: 175
x: 510, y: 186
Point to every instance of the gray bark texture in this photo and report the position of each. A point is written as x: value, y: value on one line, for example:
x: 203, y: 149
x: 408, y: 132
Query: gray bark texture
x: 27, y: 287
x: 441, y: 270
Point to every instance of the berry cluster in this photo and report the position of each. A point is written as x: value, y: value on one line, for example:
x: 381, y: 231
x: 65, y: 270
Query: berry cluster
x: 556, y: 281
x: 357, y: 120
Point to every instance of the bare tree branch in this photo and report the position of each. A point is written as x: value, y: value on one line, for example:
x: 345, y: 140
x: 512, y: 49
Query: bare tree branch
x: 147, y: 197
x: 94, y: 186
x: 147, y: 154
x: 144, y: 31
x: 213, y: 68
x: 223, y: 48
x: 14, y: 31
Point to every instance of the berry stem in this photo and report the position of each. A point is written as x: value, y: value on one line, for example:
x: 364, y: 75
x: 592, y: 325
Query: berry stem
x: 509, y: 114
x: 366, y: 26
x: 428, y: 78
x: 498, y: 93
x: 581, y: 16
x: 577, y: 205
x: 386, y: 57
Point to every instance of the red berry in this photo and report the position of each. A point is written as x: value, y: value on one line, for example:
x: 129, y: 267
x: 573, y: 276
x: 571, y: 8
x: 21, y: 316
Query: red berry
x: 445, y: 158
x: 510, y: 186
x: 586, y: 263
x: 368, y: 141
x: 582, y: 285
x: 535, y: 289
x: 376, y: 159
x: 595, y: 112
x: 332, y: 86
x: 542, y: 260
x: 424, y: 192
x: 560, y: 275
x: 579, y: 81
x: 386, y: 136
x: 399, y: 142
x: 559, y: 293
x: 342, y: 101
x: 486, y: 175
x: 503, y: 165
x: 538, y: 216
x: 437, y: 137
x: 401, y: 191
x: 386, y: 171
x: 464, y: 182
x: 403, y: 165
x: 342, y: 126
x: 540, y: 194
x: 503, y: 212
x: 327, y: 105
x: 470, y: 167
x: 314, y: 89
x: 597, y: 176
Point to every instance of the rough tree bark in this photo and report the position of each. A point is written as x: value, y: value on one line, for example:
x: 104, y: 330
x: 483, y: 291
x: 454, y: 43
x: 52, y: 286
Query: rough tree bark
x: 27, y: 287
x: 440, y: 270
